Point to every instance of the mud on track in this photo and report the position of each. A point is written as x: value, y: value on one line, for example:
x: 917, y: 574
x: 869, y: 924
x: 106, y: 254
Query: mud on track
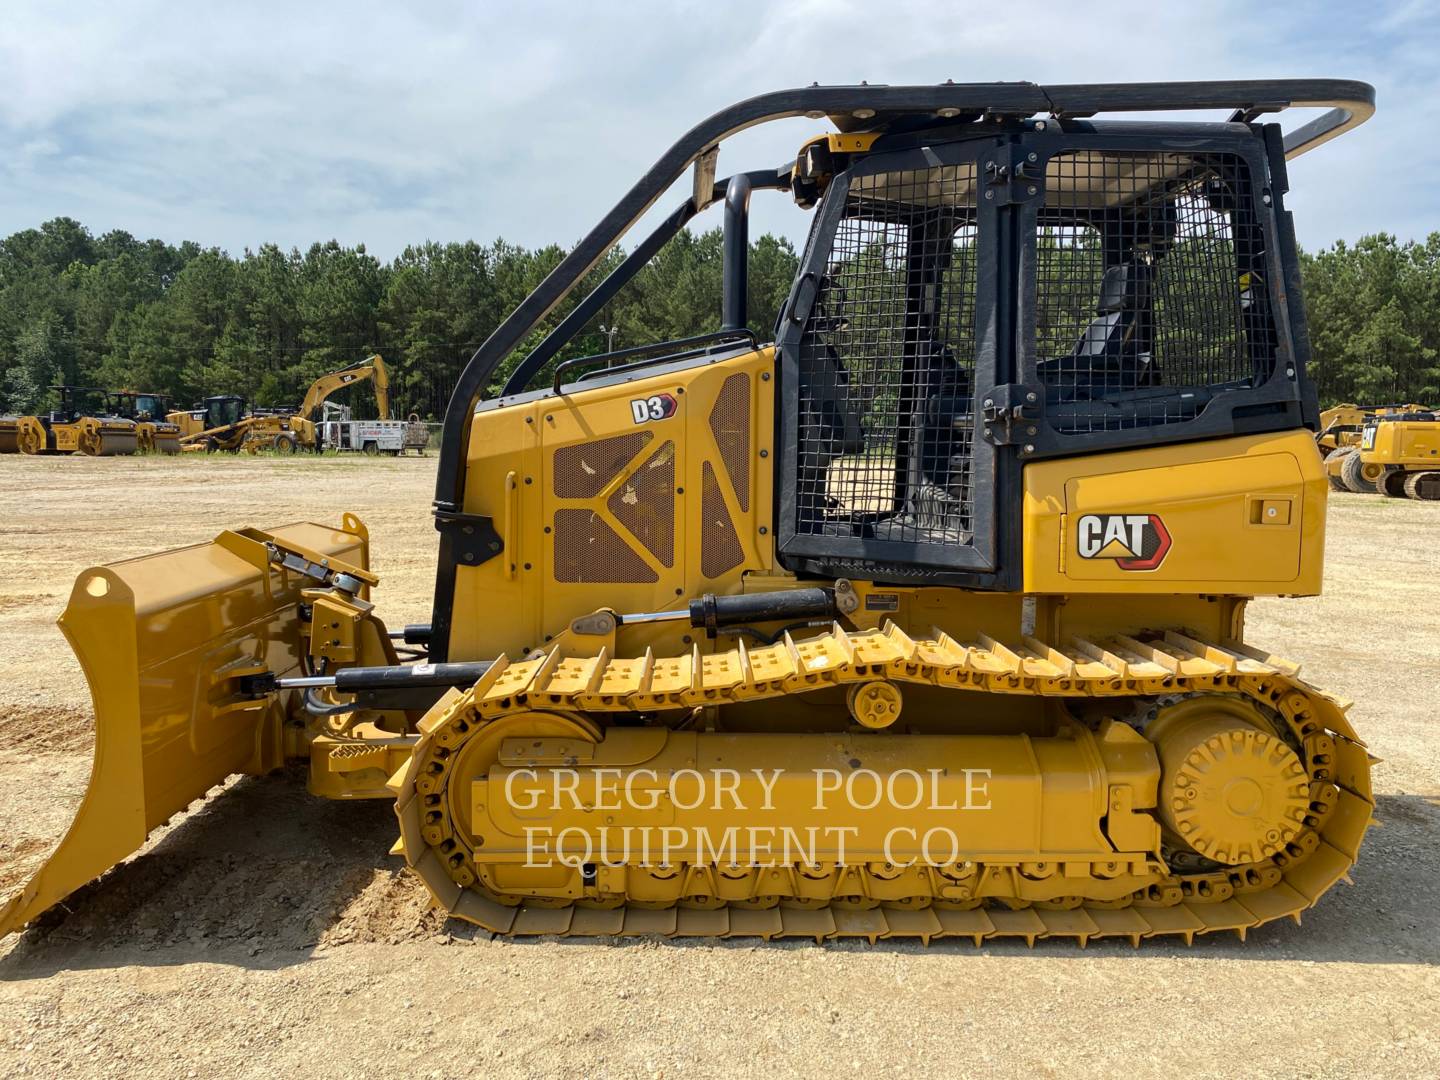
x: 266, y: 930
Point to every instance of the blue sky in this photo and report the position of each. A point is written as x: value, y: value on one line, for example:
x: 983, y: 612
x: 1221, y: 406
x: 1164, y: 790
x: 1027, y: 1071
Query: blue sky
x: 394, y: 123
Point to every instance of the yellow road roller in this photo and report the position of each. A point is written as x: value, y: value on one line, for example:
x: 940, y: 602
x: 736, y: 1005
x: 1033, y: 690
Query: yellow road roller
x: 154, y: 433
x: 84, y: 423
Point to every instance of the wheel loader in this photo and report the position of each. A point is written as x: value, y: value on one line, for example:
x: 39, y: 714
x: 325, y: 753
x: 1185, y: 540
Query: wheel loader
x: 1401, y: 451
x: 922, y: 619
x: 84, y: 423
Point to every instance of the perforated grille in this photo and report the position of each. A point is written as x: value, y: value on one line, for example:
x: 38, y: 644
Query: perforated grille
x: 887, y: 365
x: 730, y: 424
x: 719, y: 545
x: 582, y: 471
x: 1150, y: 296
x: 589, y: 550
x: 645, y: 503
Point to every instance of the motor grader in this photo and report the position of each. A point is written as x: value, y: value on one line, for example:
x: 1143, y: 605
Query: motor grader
x: 923, y: 619
x: 219, y: 422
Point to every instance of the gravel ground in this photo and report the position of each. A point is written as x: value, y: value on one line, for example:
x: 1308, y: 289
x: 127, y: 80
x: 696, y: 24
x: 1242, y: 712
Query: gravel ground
x: 267, y: 932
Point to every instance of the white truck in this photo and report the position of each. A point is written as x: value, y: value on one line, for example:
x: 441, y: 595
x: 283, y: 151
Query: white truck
x: 338, y: 432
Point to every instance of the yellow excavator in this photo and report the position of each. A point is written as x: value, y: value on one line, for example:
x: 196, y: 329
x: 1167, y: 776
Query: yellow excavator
x: 1339, y: 437
x: 286, y: 433
x: 923, y: 619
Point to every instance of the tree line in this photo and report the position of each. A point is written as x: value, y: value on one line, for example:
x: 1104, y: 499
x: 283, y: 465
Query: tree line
x: 187, y: 321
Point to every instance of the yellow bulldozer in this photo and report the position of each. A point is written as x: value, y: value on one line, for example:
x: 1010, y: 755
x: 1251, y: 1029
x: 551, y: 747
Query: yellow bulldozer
x: 85, y: 422
x: 923, y: 619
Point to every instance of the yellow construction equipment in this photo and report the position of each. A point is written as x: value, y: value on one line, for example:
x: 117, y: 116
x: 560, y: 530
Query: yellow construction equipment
x: 220, y: 423
x: 1341, y: 427
x: 286, y: 433
x: 84, y: 423
x: 925, y: 619
x: 225, y: 423
x: 1401, y: 451
x: 23, y: 435
x: 155, y: 434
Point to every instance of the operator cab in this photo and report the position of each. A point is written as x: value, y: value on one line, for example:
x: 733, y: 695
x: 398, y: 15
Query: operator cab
x: 224, y: 410
x: 984, y: 300
x: 78, y: 401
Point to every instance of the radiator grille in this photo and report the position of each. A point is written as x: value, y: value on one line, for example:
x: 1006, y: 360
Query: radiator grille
x: 1150, y: 296
x: 887, y: 364
x: 730, y: 424
x: 645, y: 504
x: 583, y: 470
x: 589, y: 550
x: 719, y: 546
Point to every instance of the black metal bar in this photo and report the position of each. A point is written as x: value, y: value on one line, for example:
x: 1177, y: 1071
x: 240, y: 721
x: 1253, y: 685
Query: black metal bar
x: 598, y: 297
x: 353, y: 680
x: 678, y: 347
x: 413, y: 634
x: 736, y: 267
x: 712, y: 612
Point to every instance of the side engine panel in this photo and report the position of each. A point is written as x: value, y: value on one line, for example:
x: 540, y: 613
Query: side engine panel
x: 635, y: 495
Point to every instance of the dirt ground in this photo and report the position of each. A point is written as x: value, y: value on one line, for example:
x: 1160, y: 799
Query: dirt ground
x: 265, y: 932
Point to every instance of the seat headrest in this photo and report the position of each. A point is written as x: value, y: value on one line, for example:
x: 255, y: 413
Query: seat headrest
x: 1120, y: 289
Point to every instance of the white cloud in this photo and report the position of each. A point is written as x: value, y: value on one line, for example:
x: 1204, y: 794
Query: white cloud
x: 389, y: 124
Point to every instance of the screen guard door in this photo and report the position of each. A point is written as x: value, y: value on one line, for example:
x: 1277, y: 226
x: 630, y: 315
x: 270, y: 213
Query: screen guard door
x: 890, y: 343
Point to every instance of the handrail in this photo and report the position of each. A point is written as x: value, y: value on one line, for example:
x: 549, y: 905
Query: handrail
x: 683, y: 347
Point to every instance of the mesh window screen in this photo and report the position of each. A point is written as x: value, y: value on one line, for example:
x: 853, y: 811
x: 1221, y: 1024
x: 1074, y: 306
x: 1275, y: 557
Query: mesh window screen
x: 887, y: 363
x: 1150, y: 298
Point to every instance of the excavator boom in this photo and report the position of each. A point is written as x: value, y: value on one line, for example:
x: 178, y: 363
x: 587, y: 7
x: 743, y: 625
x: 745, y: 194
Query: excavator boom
x: 372, y: 367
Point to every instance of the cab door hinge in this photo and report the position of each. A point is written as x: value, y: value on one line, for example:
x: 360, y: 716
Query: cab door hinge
x: 1012, y: 175
x: 1009, y: 412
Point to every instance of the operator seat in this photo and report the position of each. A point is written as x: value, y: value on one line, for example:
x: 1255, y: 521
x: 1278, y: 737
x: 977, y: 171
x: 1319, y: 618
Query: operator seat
x: 1106, y: 359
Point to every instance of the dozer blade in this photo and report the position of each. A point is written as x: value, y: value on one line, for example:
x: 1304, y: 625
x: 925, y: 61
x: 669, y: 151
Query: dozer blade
x: 164, y: 641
